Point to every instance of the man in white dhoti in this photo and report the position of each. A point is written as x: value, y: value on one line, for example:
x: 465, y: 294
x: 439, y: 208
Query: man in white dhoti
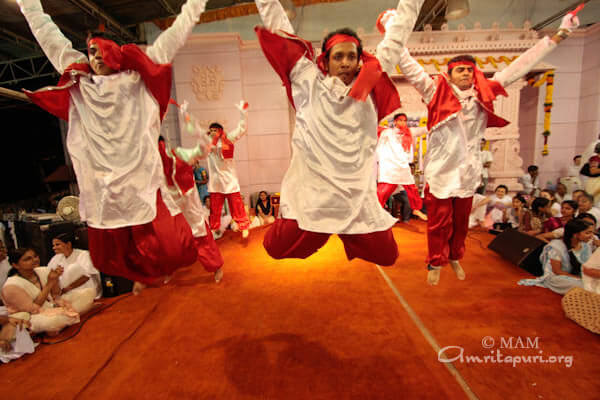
x: 339, y: 98
x: 460, y: 108
x: 114, y: 102
x: 395, y: 153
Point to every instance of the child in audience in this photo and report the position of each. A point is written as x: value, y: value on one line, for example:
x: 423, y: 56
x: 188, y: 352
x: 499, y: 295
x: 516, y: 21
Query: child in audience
x: 513, y: 216
x: 498, y: 203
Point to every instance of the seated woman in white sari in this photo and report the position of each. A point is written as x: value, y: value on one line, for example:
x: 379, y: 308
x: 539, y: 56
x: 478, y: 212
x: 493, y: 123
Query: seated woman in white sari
x: 35, y: 290
x: 79, y: 272
x: 562, y: 259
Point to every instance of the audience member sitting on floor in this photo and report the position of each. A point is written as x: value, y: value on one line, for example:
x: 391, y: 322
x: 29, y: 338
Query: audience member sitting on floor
x: 585, y: 203
x: 4, y: 264
x: 79, y: 272
x: 533, y: 220
x: 577, y: 194
x: 552, y: 224
x: 590, y: 273
x: 498, y: 203
x: 562, y: 259
x: 561, y: 193
x: 35, y: 290
x: 513, y: 216
x: 592, y: 170
x: 264, y: 211
x: 554, y: 205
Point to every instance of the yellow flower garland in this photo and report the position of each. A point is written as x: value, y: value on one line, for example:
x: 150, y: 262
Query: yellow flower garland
x: 548, y: 79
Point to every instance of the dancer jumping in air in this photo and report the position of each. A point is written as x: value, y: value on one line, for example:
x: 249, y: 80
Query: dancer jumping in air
x: 339, y: 98
x: 460, y: 108
x: 114, y: 99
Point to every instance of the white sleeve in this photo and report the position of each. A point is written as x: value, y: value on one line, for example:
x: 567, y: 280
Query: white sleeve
x: 55, y: 45
x: 525, y: 62
x: 163, y: 50
x: 241, y: 129
x: 416, y: 75
x: 53, y: 263
x: 273, y: 16
x: 86, y: 262
x: 398, y: 29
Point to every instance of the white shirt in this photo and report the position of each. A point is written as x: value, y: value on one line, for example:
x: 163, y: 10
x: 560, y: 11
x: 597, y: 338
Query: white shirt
x: 78, y: 264
x: 589, y: 283
x: 222, y: 171
x: 114, y: 124
x: 573, y: 170
x: 4, y: 268
x: 530, y: 184
x: 486, y: 157
x: 330, y: 186
x: 453, y: 163
x: 393, y: 160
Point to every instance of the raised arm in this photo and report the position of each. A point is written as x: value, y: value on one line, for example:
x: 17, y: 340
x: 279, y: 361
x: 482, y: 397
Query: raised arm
x: 526, y: 61
x: 242, y: 127
x: 167, y: 44
x: 55, y: 45
x: 273, y: 16
x: 398, y: 25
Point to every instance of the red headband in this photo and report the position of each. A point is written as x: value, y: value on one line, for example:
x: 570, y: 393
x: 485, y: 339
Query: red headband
x: 340, y: 38
x: 111, y: 52
x: 459, y: 63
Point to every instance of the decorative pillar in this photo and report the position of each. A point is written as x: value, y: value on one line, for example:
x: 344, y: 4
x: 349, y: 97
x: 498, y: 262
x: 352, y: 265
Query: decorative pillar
x: 505, y: 142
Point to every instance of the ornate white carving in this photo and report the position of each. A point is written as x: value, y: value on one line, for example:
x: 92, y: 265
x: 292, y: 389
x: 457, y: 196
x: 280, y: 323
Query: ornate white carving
x: 208, y: 82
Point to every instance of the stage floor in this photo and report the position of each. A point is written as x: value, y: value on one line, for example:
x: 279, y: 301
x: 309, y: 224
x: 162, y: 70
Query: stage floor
x: 322, y: 328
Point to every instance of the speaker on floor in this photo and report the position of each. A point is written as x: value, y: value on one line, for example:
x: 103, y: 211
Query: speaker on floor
x: 521, y: 249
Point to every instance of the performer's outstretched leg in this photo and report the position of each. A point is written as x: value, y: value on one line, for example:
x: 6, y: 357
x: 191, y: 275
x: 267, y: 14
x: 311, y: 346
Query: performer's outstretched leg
x: 144, y: 253
x: 286, y: 240
x: 460, y: 228
x: 384, y: 191
x: 216, y: 207
x: 415, y: 201
x: 439, y: 231
x: 238, y: 212
x: 376, y: 247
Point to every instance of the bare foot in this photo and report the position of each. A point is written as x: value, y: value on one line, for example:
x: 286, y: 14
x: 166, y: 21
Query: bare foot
x: 433, y: 276
x: 245, y: 234
x: 138, y: 287
x: 218, y: 275
x: 458, y: 270
x: 420, y: 214
x: 167, y: 279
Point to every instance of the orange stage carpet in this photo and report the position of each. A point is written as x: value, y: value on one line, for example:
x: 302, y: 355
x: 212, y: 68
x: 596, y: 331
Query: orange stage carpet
x: 322, y: 328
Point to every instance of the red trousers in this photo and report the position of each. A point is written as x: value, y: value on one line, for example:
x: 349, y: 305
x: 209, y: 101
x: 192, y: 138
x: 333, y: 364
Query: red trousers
x: 208, y: 251
x: 447, y: 227
x: 144, y: 252
x: 236, y: 206
x: 385, y: 190
x: 285, y: 239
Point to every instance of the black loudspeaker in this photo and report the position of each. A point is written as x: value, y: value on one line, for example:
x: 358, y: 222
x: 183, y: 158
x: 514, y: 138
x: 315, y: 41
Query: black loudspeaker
x: 114, y: 285
x: 521, y: 249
